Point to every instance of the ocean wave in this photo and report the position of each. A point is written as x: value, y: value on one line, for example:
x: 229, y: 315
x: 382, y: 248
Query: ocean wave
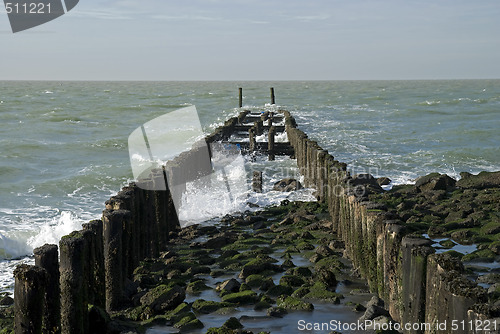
x: 13, y: 248
x: 20, y: 243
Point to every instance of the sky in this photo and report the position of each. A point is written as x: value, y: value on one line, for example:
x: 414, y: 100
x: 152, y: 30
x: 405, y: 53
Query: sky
x: 258, y: 40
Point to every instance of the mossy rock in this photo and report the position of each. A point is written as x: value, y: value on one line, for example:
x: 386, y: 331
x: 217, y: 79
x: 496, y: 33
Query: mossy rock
x: 226, y: 310
x: 182, y: 308
x: 208, y: 306
x: 196, y: 287
x: 233, y: 266
x: 483, y: 255
x: 232, y: 323
x: 454, y: 254
x: 332, y: 263
x: 262, y: 259
x: 163, y: 298
x: 254, y: 281
x: 253, y: 241
x: 191, y: 325
x: 277, y: 312
x: 260, y: 265
x: 220, y: 330
x: 304, y: 245
x: 261, y: 305
x: 7, y: 320
x: 296, y: 304
x: 303, y: 272
x: 292, y: 249
x: 495, y: 247
x: 279, y: 290
x: 483, y: 180
x: 244, y: 297
x: 301, y: 292
x: 187, y: 322
x: 319, y: 291
x: 291, y: 280
x: 287, y: 264
x: 447, y: 243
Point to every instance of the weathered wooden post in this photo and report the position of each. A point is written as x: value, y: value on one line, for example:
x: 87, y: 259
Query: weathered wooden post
x: 47, y: 258
x: 270, y: 119
x: 251, y: 136
x: 29, y: 295
x: 273, y: 101
x: 270, y: 144
x: 241, y: 97
x: 242, y: 116
x: 112, y: 235
x: 97, y: 288
x: 264, y: 116
x: 259, y: 127
x: 74, y: 283
x: 257, y: 182
x: 160, y: 205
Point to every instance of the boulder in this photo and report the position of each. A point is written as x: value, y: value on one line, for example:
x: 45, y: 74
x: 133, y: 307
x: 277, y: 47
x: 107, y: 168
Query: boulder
x: 244, y: 297
x: 327, y: 277
x: 208, y: 306
x: 6, y: 301
x: 366, y: 180
x: 324, y: 251
x: 230, y: 285
x: 163, y: 298
x: 293, y: 303
x: 276, y: 312
x: 482, y: 180
x: 435, y: 181
x: 372, y: 312
x: 233, y: 323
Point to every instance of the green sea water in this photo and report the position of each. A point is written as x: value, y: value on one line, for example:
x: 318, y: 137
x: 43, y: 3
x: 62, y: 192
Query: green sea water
x: 63, y: 145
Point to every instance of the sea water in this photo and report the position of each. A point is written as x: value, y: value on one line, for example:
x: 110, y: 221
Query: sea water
x: 63, y: 145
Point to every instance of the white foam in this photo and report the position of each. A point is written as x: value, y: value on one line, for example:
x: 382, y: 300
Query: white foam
x: 12, y: 246
x: 15, y: 244
x: 215, y: 195
x: 52, y: 232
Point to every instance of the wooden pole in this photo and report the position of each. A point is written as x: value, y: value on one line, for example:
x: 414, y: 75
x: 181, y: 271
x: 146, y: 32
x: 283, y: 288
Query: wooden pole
x: 29, y: 295
x: 273, y: 100
x: 241, y: 97
x: 270, y: 147
x: 47, y: 258
x: 257, y: 182
x: 251, y: 135
x: 270, y: 119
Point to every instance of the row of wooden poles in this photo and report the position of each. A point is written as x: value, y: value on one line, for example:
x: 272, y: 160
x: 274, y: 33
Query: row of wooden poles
x: 91, y: 266
x: 273, y: 97
x: 258, y: 129
x: 53, y: 295
x: 418, y: 286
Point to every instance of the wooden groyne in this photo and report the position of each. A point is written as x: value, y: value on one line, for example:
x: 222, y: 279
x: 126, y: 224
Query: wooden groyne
x: 96, y: 264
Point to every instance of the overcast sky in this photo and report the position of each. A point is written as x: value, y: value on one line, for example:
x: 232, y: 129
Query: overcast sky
x: 258, y: 40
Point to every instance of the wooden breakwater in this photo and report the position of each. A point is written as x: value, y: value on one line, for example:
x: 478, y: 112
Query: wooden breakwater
x: 421, y: 289
x: 92, y: 267
x: 96, y: 264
